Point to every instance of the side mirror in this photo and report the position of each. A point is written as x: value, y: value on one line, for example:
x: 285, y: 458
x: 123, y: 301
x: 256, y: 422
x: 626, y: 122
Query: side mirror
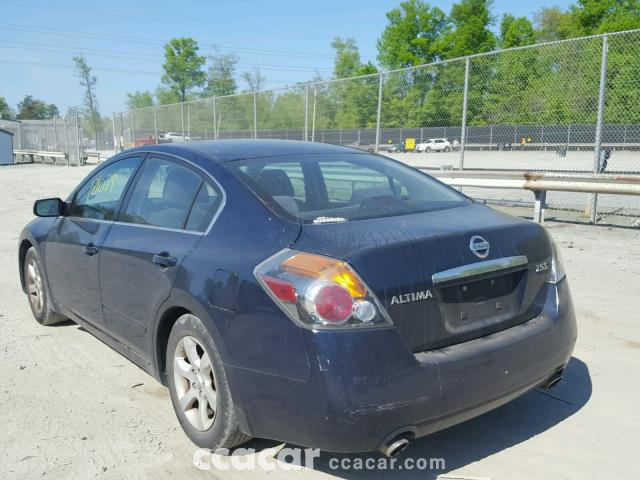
x: 49, y: 207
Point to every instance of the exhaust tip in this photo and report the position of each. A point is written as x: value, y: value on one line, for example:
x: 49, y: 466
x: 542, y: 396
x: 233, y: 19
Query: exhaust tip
x: 394, y: 447
x: 553, y: 380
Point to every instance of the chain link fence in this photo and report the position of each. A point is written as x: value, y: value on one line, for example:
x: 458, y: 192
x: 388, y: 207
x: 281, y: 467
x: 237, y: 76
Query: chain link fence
x: 567, y: 106
x: 63, y: 135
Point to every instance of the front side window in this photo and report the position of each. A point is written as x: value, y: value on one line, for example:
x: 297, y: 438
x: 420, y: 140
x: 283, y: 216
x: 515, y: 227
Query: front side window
x: 99, y: 198
x: 164, y: 195
x: 342, y: 187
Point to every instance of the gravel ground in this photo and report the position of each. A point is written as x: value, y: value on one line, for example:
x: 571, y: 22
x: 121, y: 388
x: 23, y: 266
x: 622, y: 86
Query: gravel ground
x: 73, y: 408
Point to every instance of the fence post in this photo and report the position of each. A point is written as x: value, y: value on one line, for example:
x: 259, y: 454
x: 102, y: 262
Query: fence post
x: 155, y: 124
x: 115, y: 134
x: 66, y: 141
x: 313, y: 115
x: 182, y: 118
x: 77, y: 142
x: 188, y: 122
x: 306, y: 113
x: 55, y: 134
x: 255, y: 114
x: 133, y: 128
x: 215, y: 121
x: 122, y: 130
x: 600, y: 118
x: 379, y: 112
x: 465, y: 95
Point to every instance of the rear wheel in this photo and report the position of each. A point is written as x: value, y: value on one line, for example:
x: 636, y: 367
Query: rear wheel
x: 199, y: 389
x: 37, y: 291
x: 427, y: 150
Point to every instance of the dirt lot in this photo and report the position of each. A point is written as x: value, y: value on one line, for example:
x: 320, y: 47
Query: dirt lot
x: 73, y: 408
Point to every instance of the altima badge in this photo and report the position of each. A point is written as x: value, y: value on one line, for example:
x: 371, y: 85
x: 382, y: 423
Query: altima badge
x: 479, y: 246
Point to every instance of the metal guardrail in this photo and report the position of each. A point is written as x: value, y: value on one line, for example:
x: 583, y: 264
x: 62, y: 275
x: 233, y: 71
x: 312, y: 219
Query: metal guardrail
x: 540, y: 183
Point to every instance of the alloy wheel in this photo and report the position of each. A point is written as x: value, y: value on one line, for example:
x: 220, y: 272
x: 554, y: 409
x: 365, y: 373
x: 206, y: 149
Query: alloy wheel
x: 194, y: 383
x: 34, y: 286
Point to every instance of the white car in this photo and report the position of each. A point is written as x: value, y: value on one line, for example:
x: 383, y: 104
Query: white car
x: 434, y: 145
x: 175, y: 137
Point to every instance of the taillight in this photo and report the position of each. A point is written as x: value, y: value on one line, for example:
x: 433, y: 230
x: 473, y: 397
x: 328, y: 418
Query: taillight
x: 319, y: 292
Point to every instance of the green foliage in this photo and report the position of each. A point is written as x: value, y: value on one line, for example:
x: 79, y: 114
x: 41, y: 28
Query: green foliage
x: 411, y: 35
x: 551, y: 85
x: 553, y: 24
x: 183, y: 66
x: 221, y: 76
x: 601, y: 16
x: 516, y: 32
x: 139, y: 99
x: 470, y: 20
x: 347, y: 57
x: 33, y: 109
x: 166, y: 96
x: 5, y: 110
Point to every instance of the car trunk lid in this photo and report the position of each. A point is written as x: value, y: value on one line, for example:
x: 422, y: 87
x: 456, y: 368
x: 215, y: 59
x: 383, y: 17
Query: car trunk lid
x: 433, y: 276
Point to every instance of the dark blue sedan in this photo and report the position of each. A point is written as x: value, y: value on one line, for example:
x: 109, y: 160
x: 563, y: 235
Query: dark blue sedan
x: 302, y: 292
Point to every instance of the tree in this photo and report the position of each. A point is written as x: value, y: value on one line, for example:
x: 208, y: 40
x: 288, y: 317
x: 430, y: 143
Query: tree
x: 347, y: 57
x: 601, y: 16
x: 183, y: 66
x: 33, y: 109
x: 88, y: 80
x: 255, y: 80
x: 410, y: 37
x: 166, y: 96
x: 553, y: 24
x: 6, y: 111
x: 52, y: 111
x: 139, y: 99
x: 470, y: 33
x: 516, y: 32
x: 221, y: 75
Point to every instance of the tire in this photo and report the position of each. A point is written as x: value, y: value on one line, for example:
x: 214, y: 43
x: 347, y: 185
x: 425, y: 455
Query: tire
x: 37, y: 293
x: 427, y: 150
x: 447, y: 149
x: 218, y: 427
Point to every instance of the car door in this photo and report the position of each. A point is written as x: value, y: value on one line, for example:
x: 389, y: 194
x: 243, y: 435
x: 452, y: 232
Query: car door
x: 72, y: 250
x: 163, y: 218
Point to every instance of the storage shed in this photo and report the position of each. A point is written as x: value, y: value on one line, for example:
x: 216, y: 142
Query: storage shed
x: 6, y: 147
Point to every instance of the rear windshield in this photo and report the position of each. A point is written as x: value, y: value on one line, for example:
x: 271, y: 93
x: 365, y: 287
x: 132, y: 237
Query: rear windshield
x: 342, y: 187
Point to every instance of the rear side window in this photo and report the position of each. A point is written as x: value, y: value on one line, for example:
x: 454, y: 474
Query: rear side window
x: 205, y: 205
x: 164, y: 195
x: 99, y: 197
x: 342, y: 187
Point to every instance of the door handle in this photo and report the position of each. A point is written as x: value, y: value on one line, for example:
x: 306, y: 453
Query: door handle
x: 164, y: 260
x: 90, y: 249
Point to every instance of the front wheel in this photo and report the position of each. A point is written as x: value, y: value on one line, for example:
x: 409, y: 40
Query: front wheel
x: 199, y: 389
x: 427, y: 150
x: 37, y: 291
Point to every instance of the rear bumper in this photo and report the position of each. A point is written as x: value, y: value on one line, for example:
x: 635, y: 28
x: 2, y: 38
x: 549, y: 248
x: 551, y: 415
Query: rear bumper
x: 365, y: 385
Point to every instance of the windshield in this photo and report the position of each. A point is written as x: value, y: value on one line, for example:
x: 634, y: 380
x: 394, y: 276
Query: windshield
x: 342, y: 187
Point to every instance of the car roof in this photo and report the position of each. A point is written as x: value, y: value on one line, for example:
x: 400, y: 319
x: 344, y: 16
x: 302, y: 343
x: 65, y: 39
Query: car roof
x: 229, y: 150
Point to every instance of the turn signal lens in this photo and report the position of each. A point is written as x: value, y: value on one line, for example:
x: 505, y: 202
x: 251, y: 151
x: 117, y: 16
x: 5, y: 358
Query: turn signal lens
x: 319, y: 292
x: 316, y: 266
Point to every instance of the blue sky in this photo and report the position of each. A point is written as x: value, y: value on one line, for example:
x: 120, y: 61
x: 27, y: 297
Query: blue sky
x: 289, y: 40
